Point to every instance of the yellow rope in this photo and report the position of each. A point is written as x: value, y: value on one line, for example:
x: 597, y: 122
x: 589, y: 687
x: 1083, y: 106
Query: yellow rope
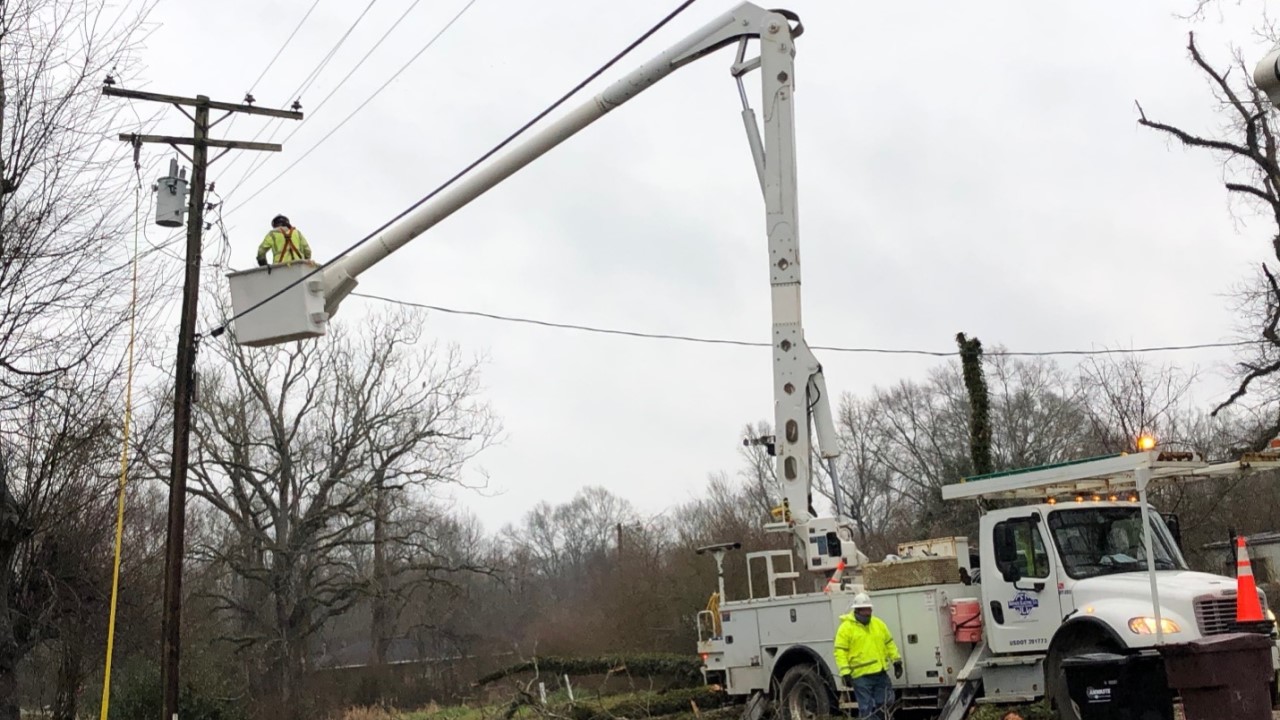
x: 124, y: 450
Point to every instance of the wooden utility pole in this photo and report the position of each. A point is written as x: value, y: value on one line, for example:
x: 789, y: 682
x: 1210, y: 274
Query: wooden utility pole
x: 187, y: 345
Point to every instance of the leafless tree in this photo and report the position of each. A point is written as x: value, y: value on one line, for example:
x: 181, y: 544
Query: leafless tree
x: 63, y: 179
x: 420, y: 551
x: 294, y: 448
x: 1247, y: 147
x: 565, y: 543
x: 1039, y: 413
x: 1128, y: 398
x: 901, y: 444
x: 57, y: 458
x: 867, y: 482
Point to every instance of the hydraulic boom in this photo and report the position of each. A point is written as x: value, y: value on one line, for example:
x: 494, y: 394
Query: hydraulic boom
x: 799, y: 387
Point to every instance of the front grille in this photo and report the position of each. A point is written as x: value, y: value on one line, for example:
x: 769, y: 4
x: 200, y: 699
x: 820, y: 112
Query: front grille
x: 1216, y: 614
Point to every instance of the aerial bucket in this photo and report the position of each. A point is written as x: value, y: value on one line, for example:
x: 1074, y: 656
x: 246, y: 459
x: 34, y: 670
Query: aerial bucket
x: 295, y: 314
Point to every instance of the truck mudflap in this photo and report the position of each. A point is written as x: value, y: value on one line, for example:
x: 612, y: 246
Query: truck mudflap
x: 962, y: 697
x: 755, y: 707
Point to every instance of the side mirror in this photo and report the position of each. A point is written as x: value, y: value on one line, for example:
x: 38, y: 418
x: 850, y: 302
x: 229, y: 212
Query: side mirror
x: 1011, y: 573
x: 1266, y: 75
x: 1175, y: 527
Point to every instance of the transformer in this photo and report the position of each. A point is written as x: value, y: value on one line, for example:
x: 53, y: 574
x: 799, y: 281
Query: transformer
x: 171, y: 196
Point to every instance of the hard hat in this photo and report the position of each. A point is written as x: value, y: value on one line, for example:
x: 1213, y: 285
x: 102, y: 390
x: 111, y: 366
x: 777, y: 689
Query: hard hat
x: 279, y: 221
x: 861, y: 600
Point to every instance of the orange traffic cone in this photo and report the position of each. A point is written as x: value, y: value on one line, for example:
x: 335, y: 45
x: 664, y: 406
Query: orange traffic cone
x: 835, y: 578
x: 1248, y: 607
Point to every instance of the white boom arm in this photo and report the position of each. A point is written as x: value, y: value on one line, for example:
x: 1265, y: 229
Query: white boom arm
x: 744, y: 21
x: 799, y: 387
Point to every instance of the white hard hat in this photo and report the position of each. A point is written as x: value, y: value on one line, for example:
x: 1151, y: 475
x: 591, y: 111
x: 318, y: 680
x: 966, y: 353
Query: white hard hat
x: 861, y: 600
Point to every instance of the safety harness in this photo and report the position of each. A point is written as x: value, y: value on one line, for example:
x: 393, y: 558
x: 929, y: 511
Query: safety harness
x: 287, y: 234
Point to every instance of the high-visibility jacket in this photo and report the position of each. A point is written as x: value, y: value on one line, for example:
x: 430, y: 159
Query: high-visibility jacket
x: 286, y: 245
x: 864, y: 649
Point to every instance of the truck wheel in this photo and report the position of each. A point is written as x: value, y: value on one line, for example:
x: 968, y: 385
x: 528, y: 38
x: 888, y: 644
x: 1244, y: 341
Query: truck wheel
x: 803, y: 694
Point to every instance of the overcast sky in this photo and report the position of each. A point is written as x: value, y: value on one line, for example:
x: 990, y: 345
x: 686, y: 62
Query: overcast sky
x: 963, y: 167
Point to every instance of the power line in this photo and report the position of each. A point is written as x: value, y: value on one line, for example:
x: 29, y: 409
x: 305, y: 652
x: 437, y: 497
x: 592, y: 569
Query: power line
x: 258, y: 165
x: 492, y: 151
x: 315, y: 73
x: 275, y: 57
x: 298, y: 92
x: 361, y: 106
x: 284, y: 45
x: 826, y: 348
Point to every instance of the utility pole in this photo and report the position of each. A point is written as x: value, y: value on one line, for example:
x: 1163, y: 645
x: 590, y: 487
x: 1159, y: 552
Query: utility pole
x: 187, y: 345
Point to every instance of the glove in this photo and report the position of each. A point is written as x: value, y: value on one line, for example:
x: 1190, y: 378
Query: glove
x: 897, y: 668
x: 262, y: 261
x: 846, y: 677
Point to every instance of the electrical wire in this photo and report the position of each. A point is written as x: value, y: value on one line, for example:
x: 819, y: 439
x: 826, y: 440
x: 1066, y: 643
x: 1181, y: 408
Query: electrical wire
x: 825, y: 348
x: 284, y: 45
x: 361, y: 106
x: 264, y: 160
x: 277, y: 123
x: 315, y: 74
x: 275, y: 57
x: 509, y: 139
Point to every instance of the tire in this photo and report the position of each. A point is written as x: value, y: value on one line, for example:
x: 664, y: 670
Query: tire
x: 1056, y: 679
x: 803, y: 694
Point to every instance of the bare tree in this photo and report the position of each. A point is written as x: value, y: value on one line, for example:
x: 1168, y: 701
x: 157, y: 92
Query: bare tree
x: 420, y: 551
x: 867, y: 481
x: 903, y: 443
x: 1127, y: 398
x: 1039, y: 413
x: 1248, y: 149
x: 292, y: 447
x: 566, y: 543
x: 56, y: 461
x: 62, y: 177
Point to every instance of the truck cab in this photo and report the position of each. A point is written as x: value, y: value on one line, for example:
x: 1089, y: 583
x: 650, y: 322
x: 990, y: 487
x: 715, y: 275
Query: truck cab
x: 1085, y: 562
x: 1068, y: 578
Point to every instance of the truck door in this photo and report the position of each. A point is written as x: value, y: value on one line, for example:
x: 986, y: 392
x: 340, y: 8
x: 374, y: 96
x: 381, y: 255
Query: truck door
x: 1021, y: 608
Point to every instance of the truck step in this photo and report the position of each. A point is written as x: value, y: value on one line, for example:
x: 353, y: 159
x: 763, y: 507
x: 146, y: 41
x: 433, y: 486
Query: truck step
x: 1006, y: 698
x: 1010, y: 661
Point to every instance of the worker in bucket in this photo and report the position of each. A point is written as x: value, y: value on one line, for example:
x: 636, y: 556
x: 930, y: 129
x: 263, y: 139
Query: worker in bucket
x: 865, y: 651
x: 285, y: 242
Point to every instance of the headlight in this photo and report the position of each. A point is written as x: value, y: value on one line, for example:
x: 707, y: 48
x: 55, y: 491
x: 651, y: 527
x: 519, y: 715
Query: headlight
x: 1147, y: 625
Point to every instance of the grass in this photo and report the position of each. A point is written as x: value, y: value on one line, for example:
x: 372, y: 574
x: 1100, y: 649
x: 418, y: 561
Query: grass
x: 1034, y: 711
x: 671, y: 705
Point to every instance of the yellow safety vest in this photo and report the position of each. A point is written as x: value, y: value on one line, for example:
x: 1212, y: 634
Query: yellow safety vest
x: 285, y: 247
x: 864, y: 649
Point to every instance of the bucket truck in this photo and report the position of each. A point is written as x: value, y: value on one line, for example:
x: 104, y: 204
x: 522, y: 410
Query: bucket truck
x: 775, y: 644
x: 291, y: 302
x: 1074, y: 561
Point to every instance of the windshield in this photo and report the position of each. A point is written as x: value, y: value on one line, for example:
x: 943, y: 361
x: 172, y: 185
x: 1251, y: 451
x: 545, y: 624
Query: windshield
x: 1095, y: 541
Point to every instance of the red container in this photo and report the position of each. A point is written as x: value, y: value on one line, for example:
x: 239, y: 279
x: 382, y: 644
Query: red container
x: 966, y: 619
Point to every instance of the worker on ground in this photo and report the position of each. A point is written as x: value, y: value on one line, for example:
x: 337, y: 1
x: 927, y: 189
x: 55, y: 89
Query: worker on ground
x: 285, y: 242
x: 864, y: 651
